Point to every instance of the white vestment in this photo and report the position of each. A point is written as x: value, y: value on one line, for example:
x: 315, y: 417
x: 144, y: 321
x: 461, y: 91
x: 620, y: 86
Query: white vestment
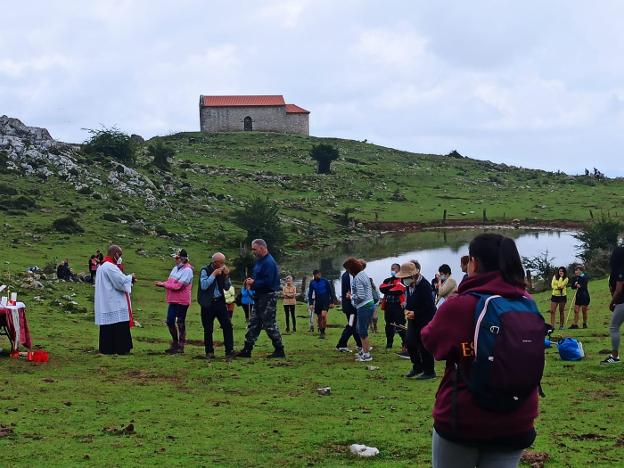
x: 111, y: 302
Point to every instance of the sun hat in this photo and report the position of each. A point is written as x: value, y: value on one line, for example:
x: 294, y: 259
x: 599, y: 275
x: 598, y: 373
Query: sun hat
x: 407, y: 270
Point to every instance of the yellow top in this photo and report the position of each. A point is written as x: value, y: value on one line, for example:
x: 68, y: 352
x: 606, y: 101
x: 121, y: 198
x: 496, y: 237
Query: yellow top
x: 559, y: 286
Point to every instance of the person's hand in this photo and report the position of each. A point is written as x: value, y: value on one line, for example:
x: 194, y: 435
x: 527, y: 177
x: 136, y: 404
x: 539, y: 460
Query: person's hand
x: 349, y: 296
x: 158, y: 283
x: 225, y: 270
x: 409, y: 314
x: 134, y: 278
x: 612, y: 307
x: 403, y: 304
x: 331, y: 306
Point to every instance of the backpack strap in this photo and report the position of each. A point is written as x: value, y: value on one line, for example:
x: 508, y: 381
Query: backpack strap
x: 478, y: 323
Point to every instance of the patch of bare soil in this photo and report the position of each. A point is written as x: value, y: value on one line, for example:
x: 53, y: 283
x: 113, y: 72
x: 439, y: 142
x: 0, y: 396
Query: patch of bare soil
x: 122, y: 431
x: 534, y: 459
x: 5, y: 431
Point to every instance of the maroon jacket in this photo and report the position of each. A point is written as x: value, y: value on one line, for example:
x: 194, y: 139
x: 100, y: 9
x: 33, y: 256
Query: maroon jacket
x: 452, y: 325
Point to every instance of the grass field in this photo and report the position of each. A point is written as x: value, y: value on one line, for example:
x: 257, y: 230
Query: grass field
x: 187, y: 411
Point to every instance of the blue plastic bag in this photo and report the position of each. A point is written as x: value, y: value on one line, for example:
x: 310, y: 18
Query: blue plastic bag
x: 570, y: 349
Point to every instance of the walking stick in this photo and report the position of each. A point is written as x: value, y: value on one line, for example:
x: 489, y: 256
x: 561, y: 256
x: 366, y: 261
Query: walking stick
x: 399, y: 326
x: 570, y: 309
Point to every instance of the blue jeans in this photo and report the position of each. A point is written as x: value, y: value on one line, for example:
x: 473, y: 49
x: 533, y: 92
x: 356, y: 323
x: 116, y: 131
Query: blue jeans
x: 176, y: 312
x: 364, y: 317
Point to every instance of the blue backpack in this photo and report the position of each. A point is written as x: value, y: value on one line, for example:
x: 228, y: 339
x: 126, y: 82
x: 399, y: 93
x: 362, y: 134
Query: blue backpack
x: 508, y: 352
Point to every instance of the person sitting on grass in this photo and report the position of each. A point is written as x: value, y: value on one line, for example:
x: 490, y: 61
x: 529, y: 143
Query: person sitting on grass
x: 559, y: 297
x: 616, y: 286
x: 581, y: 302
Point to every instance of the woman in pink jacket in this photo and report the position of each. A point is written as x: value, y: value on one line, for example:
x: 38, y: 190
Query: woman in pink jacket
x: 178, y: 295
x: 465, y: 433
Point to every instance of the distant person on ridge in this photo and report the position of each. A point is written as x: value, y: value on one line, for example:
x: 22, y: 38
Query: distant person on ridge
x: 324, y: 299
x: 266, y: 283
x: 178, y: 289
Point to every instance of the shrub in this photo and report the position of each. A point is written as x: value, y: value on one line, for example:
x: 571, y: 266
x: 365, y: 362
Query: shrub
x: 541, y: 265
x: 260, y: 219
x: 20, y: 202
x: 161, y: 154
x: 7, y: 190
x: 110, y: 217
x: 67, y: 225
x: 111, y: 143
x: 597, y: 241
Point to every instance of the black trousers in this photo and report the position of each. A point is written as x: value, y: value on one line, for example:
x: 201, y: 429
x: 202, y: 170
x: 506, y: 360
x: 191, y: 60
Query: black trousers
x: 393, y: 313
x: 350, y: 330
x: 247, y: 309
x: 289, y: 310
x: 115, y: 338
x: 219, y: 311
x: 422, y: 360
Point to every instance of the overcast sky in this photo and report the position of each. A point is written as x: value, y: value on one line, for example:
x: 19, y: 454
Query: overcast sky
x: 531, y: 83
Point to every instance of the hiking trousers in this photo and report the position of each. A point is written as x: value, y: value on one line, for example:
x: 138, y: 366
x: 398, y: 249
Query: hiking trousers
x: 393, y: 313
x: 447, y: 454
x: 350, y: 330
x: 617, y: 319
x: 262, y: 317
x: 422, y: 360
x: 219, y: 311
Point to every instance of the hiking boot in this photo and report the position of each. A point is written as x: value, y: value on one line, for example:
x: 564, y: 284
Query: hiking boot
x: 413, y: 373
x: 403, y: 355
x: 388, y: 346
x: 210, y: 356
x: 173, y: 349
x: 294, y: 329
x: 343, y: 349
x: 364, y: 357
x: 584, y: 325
x: 424, y: 376
x: 574, y: 326
x: 243, y: 353
x: 287, y: 330
x: 611, y: 360
x: 322, y: 336
x: 311, y: 329
x: 561, y: 327
x: 231, y: 355
x: 278, y: 353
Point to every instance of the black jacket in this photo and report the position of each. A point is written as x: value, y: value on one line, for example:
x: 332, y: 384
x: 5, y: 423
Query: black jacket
x: 204, y: 296
x: 420, y: 301
x: 345, y: 287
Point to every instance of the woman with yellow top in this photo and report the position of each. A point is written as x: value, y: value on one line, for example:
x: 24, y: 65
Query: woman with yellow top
x: 559, y: 297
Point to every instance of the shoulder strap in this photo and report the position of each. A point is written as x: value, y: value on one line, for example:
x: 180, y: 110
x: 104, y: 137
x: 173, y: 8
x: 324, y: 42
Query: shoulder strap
x: 479, y: 319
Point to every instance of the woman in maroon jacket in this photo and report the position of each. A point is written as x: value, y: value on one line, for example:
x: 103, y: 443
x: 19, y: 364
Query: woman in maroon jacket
x: 465, y: 434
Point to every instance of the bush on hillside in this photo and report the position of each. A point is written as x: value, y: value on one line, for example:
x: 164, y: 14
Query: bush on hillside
x: 260, y: 219
x: 7, y: 190
x: 541, y: 266
x: 597, y: 241
x: 161, y: 155
x: 324, y: 154
x: 111, y: 143
x: 20, y: 202
x: 67, y: 225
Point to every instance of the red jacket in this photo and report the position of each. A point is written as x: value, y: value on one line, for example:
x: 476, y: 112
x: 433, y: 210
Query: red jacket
x: 451, y: 326
x: 393, y: 287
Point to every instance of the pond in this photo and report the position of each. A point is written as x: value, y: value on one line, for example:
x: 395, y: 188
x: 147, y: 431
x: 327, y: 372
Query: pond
x: 430, y: 248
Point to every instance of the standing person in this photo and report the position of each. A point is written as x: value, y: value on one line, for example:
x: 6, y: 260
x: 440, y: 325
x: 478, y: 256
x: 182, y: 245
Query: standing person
x: 361, y: 296
x: 178, y: 295
x: 582, y: 299
x: 616, y: 286
x: 435, y: 285
x: 448, y: 285
x: 230, y: 299
x: 350, y: 329
x: 99, y: 257
x: 93, y: 266
x: 466, y: 434
x: 394, y: 300
x: 419, y: 310
x: 559, y: 297
x: 289, y: 293
x: 247, y: 300
x: 463, y: 264
x: 324, y: 299
x: 214, y: 280
x: 112, y: 305
x: 376, y: 307
x: 266, y: 283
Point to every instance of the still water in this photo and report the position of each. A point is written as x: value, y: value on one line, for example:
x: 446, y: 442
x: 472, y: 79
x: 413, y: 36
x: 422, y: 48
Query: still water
x: 430, y: 248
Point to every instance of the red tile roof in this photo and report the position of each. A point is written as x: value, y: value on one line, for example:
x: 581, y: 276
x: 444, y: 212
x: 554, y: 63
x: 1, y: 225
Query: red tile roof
x: 294, y: 109
x: 242, y: 101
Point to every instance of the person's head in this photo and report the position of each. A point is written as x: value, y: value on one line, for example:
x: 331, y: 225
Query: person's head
x: 97, y: 252
x: 218, y: 260
x: 363, y: 262
x: 181, y: 257
x: 115, y: 252
x: 562, y: 272
x: 352, y: 265
x: 409, y: 271
x: 259, y: 248
x: 493, y: 252
x: 394, y: 269
x: 579, y: 270
x: 445, y: 271
x: 91, y: 257
x: 289, y: 280
x: 317, y: 274
x: 617, y: 258
x: 463, y: 262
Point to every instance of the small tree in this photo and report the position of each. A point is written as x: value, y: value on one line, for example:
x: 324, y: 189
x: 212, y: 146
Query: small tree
x: 112, y: 143
x: 324, y: 154
x: 541, y: 265
x: 261, y: 221
x: 597, y: 241
x: 161, y: 155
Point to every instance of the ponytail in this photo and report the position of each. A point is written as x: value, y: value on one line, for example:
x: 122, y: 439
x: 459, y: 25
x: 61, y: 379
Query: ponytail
x: 509, y: 262
x: 498, y: 253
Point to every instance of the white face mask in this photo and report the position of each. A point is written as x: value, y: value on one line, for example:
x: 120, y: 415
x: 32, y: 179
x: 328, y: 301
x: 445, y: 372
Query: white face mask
x: 119, y: 261
x: 443, y: 277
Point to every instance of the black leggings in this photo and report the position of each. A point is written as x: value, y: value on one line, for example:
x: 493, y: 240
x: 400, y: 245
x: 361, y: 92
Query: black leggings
x: 289, y: 310
x: 247, y: 309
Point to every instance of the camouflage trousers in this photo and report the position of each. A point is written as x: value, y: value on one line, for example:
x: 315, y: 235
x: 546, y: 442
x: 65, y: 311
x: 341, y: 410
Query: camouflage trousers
x: 263, y: 318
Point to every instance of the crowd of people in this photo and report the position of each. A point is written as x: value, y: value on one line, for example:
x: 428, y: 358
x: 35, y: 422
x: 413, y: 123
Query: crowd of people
x: 484, y: 411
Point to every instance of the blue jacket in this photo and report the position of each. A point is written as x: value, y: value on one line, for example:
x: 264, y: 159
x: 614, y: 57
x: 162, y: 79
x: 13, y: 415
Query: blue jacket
x: 321, y: 289
x: 266, y: 275
x: 247, y: 296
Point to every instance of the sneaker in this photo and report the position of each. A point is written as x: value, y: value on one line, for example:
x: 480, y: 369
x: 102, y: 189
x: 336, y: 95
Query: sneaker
x: 322, y: 336
x: 311, y: 329
x: 230, y: 355
x: 287, y: 330
x: 370, y: 348
x: 210, y: 356
x: 574, y: 326
x: 561, y: 327
x: 388, y: 346
x: 413, y: 373
x: 277, y: 354
x: 364, y: 357
x: 611, y: 360
x: 343, y: 349
x: 584, y: 325
x: 424, y: 376
x: 403, y: 355
x: 243, y: 353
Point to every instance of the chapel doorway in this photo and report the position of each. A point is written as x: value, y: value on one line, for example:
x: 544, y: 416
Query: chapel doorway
x: 247, y: 125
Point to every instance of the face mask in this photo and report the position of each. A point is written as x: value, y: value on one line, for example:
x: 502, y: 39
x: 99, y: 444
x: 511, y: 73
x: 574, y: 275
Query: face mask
x: 443, y: 277
x: 393, y: 273
x: 119, y: 261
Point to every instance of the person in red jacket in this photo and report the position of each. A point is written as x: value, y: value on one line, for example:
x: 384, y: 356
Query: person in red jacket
x: 465, y: 434
x: 394, y: 301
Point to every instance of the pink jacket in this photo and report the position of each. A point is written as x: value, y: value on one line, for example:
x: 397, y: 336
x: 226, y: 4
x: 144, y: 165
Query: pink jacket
x: 179, y: 285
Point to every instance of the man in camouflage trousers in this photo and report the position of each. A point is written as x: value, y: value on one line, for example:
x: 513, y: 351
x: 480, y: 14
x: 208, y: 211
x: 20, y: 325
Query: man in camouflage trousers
x: 265, y: 282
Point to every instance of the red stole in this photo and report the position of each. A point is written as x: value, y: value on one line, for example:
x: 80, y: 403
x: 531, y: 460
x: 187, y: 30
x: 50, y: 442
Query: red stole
x: 110, y: 260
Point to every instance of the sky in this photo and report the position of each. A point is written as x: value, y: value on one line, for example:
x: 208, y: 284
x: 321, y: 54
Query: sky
x: 530, y: 83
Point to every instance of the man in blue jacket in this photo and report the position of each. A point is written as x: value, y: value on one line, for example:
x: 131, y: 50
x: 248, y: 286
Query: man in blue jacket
x: 324, y: 298
x: 265, y: 282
